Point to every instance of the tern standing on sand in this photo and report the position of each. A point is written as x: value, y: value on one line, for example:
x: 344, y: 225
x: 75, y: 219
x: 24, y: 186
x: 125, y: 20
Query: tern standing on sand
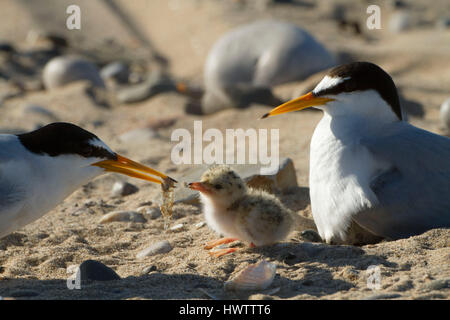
x: 369, y: 169
x: 39, y: 169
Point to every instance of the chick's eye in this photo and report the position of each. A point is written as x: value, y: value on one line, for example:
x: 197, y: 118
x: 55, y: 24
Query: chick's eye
x: 218, y: 186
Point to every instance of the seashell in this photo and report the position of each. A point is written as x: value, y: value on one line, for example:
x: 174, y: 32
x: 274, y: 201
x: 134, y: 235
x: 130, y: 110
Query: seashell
x: 258, y: 276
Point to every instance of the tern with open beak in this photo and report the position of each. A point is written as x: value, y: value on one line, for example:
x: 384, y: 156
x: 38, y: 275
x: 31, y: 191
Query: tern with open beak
x: 369, y: 169
x: 39, y: 169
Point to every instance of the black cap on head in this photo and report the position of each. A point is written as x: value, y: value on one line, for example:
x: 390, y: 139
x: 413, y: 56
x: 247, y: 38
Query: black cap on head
x: 64, y: 138
x: 359, y: 76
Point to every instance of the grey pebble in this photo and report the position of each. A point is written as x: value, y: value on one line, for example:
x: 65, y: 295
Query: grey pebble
x: 21, y: 293
x: 443, y: 23
x: 39, y: 110
x: 117, y: 71
x: 438, y: 284
x: 403, y: 285
x: 63, y: 70
x: 125, y: 216
x: 121, y: 189
x: 97, y: 271
x: 145, y: 90
x: 148, y: 269
x: 311, y: 235
x: 152, y: 212
x: 382, y: 296
x: 399, y: 22
x: 444, y: 115
x: 156, y: 248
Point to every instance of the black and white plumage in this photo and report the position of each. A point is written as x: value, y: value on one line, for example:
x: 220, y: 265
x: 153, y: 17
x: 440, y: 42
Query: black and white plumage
x: 369, y: 167
x: 39, y: 169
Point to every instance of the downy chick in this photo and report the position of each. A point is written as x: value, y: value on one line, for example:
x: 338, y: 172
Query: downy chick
x: 239, y: 212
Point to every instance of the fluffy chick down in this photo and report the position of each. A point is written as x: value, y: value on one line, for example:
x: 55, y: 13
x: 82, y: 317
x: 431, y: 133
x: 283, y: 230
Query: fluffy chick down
x: 233, y: 209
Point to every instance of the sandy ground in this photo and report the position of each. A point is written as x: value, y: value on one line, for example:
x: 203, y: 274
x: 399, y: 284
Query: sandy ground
x: 33, y: 260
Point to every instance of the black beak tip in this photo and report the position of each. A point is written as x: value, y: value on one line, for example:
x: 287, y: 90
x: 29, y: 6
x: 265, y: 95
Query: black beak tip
x: 265, y: 116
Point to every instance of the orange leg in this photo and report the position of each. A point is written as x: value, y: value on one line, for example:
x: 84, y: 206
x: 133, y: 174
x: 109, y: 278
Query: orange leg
x: 218, y: 242
x: 221, y: 252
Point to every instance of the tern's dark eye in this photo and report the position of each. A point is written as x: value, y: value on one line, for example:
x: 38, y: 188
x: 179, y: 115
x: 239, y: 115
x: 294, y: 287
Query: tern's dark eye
x: 86, y: 151
x: 218, y: 186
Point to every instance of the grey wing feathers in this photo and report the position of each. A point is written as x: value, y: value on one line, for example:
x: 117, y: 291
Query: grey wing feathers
x: 414, y: 193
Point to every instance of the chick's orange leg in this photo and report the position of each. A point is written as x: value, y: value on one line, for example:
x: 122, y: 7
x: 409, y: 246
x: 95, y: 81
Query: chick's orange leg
x: 218, y: 242
x: 221, y: 252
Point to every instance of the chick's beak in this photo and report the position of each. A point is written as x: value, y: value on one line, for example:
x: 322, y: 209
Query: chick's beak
x: 305, y: 101
x: 199, y: 187
x: 133, y: 169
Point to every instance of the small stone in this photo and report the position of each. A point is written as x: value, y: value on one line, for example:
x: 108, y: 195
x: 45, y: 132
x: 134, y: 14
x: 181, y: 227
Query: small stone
x: 116, y: 71
x: 77, y: 212
x: 399, y: 22
x: 156, y: 248
x: 151, y: 212
x: 62, y: 70
x: 438, y: 284
x: 260, y: 296
x: 125, y: 216
x: 443, y: 23
x: 121, y: 189
x: 445, y: 115
x: 142, y: 91
x: 200, y: 224
x: 89, y: 203
x: 350, y: 274
x: 149, y: 269
x: 177, y: 227
x: 382, y: 296
x: 311, y: 235
x: 38, y: 110
x: 403, y: 285
x: 97, y: 271
x: 24, y: 293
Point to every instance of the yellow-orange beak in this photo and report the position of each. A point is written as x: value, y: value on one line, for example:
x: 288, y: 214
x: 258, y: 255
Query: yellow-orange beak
x: 306, y: 101
x: 130, y: 168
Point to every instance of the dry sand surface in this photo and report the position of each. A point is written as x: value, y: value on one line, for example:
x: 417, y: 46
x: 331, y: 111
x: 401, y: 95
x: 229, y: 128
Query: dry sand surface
x: 33, y: 260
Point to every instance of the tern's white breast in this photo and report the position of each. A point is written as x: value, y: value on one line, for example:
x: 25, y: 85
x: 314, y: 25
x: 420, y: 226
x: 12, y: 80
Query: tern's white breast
x: 340, y: 173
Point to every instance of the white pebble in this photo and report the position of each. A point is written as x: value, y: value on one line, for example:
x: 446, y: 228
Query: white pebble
x: 156, y: 248
x: 129, y: 216
x: 200, y: 224
x: 177, y: 227
x: 121, y: 189
x: 151, y: 212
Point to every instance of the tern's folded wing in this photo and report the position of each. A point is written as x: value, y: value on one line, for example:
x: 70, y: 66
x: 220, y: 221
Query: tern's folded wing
x: 414, y: 193
x: 11, y: 203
